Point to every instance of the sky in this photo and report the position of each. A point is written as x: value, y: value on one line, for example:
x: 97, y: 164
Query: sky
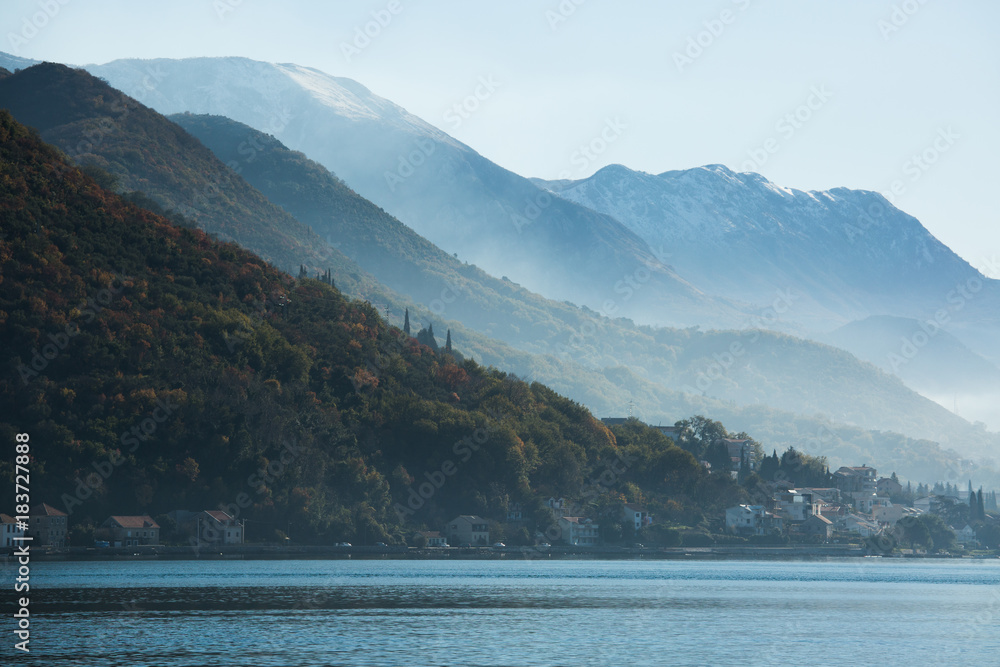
x: 897, y: 96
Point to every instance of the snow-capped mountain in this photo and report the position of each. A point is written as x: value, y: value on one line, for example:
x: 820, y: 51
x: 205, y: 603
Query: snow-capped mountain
x: 436, y: 185
x: 843, y: 254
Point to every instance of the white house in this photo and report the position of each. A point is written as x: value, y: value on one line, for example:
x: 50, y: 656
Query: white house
x: 966, y: 536
x: 752, y: 520
x: 637, y: 515
x: 468, y: 529
x: 577, y: 530
x: 218, y: 527
x: 852, y: 523
x: 9, y: 530
x: 794, y: 505
x: 431, y: 538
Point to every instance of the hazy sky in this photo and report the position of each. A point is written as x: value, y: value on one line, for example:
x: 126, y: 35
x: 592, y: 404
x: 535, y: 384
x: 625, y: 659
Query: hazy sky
x: 870, y: 84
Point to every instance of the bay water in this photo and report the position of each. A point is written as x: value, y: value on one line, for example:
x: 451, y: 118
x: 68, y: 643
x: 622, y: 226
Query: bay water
x: 269, y: 613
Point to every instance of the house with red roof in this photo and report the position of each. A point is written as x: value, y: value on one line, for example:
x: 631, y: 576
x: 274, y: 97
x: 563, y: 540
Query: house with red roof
x: 131, y: 531
x: 47, y: 526
x: 218, y: 527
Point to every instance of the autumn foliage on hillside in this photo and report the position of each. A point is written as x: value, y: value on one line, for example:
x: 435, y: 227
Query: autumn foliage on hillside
x: 157, y: 369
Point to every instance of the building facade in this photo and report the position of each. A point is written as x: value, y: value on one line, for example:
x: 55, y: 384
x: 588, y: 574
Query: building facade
x: 9, y: 530
x: 47, y: 526
x: 217, y: 527
x: 468, y: 529
x: 579, y: 531
x: 638, y: 516
x: 131, y: 531
x: 752, y: 520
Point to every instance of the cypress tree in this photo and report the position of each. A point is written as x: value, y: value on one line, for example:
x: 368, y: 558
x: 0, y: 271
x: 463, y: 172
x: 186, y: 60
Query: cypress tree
x: 406, y: 322
x: 447, y: 343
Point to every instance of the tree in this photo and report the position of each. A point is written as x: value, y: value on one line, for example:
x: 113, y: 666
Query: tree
x: 769, y: 467
x: 406, y: 322
x: 447, y: 343
x: 698, y: 432
x: 426, y: 336
x: 942, y: 536
x: 914, y: 532
x: 717, y: 455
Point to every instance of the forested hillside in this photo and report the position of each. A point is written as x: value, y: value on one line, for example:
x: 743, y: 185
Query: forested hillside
x: 96, y: 125
x: 158, y: 369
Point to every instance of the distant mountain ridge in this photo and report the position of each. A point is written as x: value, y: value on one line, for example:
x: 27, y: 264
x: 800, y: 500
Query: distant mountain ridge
x: 99, y: 126
x: 848, y: 254
x: 762, y: 370
x: 439, y: 187
x: 619, y: 362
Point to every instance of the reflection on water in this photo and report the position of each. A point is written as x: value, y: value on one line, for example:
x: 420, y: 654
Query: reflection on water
x: 268, y: 613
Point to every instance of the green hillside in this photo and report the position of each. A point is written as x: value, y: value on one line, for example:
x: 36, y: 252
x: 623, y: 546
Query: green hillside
x: 165, y: 370
x: 600, y: 362
x: 96, y: 125
x: 767, y: 368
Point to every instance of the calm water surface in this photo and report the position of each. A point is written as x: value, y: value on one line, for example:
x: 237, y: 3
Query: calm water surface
x: 386, y: 612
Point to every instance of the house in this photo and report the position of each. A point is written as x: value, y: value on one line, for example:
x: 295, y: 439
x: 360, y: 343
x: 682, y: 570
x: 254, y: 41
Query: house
x: 557, y: 506
x: 468, y: 529
x: 860, y: 479
x: 740, y: 451
x: 672, y: 432
x: 831, y: 511
x: 924, y: 504
x: 515, y: 512
x: 217, y: 527
x: 752, y: 520
x: 852, y: 523
x: 966, y: 535
x: 211, y: 526
x: 794, y: 505
x: 131, y: 531
x: 826, y: 494
x: 637, y: 515
x: 9, y: 531
x: 887, y: 486
x: 578, y: 530
x: 819, y: 525
x: 891, y: 514
x: 47, y: 526
x: 430, y: 538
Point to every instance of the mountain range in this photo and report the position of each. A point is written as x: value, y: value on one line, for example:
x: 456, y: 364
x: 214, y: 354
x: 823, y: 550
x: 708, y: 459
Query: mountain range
x: 183, y: 382
x: 846, y: 254
x: 602, y: 362
x: 437, y: 186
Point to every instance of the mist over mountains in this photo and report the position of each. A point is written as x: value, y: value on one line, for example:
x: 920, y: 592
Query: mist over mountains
x: 847, y: 254
x: 437, y: 186
x: 758, y: 262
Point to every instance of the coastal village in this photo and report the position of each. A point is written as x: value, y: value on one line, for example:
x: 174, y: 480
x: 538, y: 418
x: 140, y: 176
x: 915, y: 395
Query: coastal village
x: 858, y: 506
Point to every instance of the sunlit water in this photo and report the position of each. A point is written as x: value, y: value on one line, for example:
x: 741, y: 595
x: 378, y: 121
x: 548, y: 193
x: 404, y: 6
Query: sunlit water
x: 390, y: 612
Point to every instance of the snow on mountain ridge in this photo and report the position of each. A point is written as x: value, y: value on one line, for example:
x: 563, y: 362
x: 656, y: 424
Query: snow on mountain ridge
x: 740, y: 234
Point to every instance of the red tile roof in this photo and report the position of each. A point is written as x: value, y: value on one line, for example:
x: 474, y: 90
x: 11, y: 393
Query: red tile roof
x: 45, y: 510
x: 144, y: 521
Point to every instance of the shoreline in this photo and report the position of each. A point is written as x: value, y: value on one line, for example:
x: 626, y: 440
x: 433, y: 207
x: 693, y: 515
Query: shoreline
x: 275, y: 552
